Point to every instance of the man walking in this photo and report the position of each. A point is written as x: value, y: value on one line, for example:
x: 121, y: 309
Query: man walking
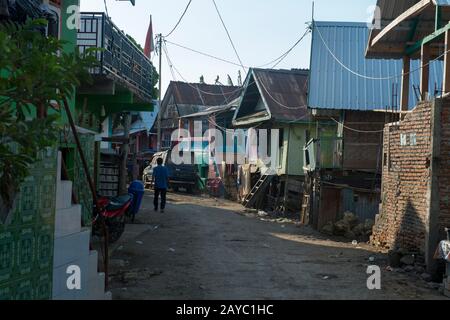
x: 160, y: 178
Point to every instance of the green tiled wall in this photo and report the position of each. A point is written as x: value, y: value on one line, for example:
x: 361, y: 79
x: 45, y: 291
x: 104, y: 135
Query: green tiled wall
x: 78, y: 176
x: 26, y: 240
x: 80, y: 183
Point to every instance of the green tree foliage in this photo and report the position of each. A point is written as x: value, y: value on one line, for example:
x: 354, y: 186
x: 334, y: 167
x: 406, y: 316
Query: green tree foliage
x: 36, y: 75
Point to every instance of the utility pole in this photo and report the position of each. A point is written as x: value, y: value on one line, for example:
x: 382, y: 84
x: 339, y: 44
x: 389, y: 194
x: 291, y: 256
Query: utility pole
x: 160, y: 39
x: 125, y: 152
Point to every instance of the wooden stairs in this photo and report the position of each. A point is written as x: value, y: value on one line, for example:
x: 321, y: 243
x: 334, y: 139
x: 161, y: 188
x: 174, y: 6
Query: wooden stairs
x: 259, y: 188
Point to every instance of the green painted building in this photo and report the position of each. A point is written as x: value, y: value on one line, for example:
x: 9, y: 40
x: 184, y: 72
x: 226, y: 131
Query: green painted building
x: 28, y: 258
x: 277, y: 99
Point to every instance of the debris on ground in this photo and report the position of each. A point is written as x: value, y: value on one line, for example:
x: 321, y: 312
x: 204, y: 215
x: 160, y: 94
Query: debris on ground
x: 136, y: 275
x: 408, y: 260
x: 426, y: 277
x: 171, y: 250
x: 118, y: 263
x: 350, y: 227
x: 140, y: 242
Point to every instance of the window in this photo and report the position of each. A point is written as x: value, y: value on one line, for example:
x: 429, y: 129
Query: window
x: 403, y: 140
x: 280, y: 148
x: 307, y: 160
x: 413, y: 139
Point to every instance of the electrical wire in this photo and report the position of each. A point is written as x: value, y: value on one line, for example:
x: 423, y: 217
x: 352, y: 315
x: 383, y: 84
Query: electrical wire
x: 196, y: 88
x: 279, y: 59
x: 179, y: 20
x: 106, y: 8
x: 356, y: 130
x: 169, y: 63
x: 229, y: 36
x: 172, y: 67
x: 283, y: 56
x: 369, y: 77
x: 205, y: 54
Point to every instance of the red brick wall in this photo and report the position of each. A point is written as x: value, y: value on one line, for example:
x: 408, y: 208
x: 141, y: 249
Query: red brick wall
x: 406, y: 175
x: 444, y: 168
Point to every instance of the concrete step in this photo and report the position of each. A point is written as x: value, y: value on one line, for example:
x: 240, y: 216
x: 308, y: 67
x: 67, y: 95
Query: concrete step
x: 96, y: 287
x: 70, y: 248
x: 63, y: 194
x: 59, y: 165
x: 60, y: 277
x: 93, y: 264
x: 68, y: 221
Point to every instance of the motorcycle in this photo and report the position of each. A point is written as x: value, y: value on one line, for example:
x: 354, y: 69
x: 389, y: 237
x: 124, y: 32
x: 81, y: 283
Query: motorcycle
x: 113, y: 212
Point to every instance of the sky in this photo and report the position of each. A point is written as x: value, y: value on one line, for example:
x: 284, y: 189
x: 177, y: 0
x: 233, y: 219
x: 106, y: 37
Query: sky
x: 261, y: 30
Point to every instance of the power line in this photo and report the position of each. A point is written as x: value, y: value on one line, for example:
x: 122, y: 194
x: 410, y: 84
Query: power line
x: 369, y: 77
x: 169, y: 63
x: 205, y: 54
x: 356, y: 130
x: 196, y: 88
x: 228, y: 34
x: 179, y: 20
x: 284, y: 55
x: 279, y: 59
x: 290, y: 50
x: 106, y: 8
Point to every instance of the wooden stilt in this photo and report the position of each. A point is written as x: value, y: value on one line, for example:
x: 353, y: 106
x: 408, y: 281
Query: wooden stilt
x: 446, y: 83
x: 404, y: 99
x: 425, y: 71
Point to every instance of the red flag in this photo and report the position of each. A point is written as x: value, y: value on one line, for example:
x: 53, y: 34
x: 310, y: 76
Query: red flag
x: 149, y: 44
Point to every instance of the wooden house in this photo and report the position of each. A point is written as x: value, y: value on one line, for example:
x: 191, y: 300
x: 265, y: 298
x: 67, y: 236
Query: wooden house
x: 276, y: 99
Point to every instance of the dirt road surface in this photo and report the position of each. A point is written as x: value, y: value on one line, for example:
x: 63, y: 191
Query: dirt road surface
x: 204, y: 248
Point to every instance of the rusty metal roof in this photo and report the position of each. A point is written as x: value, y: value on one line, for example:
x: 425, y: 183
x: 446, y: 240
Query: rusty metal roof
x: 283, y: 92
x: 199, y: 94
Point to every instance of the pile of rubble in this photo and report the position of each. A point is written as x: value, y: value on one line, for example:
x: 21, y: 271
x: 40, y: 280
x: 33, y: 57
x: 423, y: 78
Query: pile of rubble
x: 350, y: 227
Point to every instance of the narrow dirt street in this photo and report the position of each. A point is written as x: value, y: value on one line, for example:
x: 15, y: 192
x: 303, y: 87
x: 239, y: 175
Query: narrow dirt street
x: 203, y: 248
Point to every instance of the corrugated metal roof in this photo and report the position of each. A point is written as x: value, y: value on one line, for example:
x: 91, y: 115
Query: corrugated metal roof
x: 284, y: 92
x: 334, y: 87
x: 200, y: 94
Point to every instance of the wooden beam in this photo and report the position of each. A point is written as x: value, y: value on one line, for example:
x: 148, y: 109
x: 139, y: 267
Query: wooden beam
x: 425, y: 71
x: 446, y: 83
x: 428, y: 39
x: 404, y: 98
x: 438, y: 18
x: 408, y: 14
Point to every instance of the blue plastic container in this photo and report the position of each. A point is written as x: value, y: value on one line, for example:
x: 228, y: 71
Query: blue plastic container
x: 137, y: 189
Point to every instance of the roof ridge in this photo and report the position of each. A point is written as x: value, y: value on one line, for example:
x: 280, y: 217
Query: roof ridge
x: 205, y: 84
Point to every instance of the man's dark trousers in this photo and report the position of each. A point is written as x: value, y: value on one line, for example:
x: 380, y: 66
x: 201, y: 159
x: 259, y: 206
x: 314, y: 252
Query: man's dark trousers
x: 163, y: 193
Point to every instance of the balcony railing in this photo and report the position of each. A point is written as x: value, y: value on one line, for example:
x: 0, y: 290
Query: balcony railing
x: 120, y: 60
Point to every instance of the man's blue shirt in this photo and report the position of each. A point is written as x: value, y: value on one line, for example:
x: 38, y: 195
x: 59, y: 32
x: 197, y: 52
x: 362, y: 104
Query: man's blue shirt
x: 161, y: 175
